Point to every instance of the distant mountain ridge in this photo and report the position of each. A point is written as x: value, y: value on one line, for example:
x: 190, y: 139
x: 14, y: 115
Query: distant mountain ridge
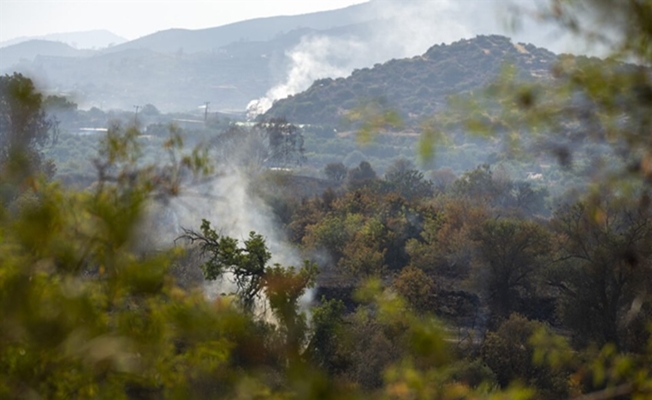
x: 237, y: 64
x: 88, y: 40
x: 416, y: 87
x: 229, y: 77
x: 28, y: 51
x: 258, y: 29
x: 228, y: 65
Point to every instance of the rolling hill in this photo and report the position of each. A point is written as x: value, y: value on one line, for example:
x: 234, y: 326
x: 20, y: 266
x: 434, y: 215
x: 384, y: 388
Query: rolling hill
x: 95, y: 39
x: 27, y: 52
x: 253, y: 30
x: 416, y: 86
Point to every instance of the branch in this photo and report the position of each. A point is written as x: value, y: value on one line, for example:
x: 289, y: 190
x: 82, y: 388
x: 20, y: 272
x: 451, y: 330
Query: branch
x: 608, y: 393
x: 562, y: 286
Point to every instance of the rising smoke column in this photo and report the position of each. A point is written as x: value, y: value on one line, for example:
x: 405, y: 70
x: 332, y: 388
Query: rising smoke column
x: 315, y: 57
x: 227, y: 202
x: 399, y: 29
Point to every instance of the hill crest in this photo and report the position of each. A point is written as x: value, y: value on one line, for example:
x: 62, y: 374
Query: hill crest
x: 416, y: 86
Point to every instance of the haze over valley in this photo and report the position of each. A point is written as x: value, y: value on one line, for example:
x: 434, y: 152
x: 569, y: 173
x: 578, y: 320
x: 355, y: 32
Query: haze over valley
x: 250, y: 63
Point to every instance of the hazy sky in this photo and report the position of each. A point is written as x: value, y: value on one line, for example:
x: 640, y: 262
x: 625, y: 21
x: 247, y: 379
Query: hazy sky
x: 134, y: 18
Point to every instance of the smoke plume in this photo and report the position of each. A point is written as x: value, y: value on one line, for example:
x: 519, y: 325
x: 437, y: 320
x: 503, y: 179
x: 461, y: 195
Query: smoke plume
x: 406, y: 28
x: 227, y: 202
x: 396, y: 30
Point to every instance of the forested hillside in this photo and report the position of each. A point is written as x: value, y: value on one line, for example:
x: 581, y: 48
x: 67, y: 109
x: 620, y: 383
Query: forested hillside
x: 419, y: 86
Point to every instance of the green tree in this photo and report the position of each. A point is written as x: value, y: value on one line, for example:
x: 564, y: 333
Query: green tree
x: 241, y: 147
x: 364, y: 254
x: 603, y: 273
x: 331, y: 234
x: 446, y: 246
x: 285, y: 141
x: 23, y: 123
x: 509, y: 352
x: 328, y: 334
x: 86, y: 315
x: 24, y: 130
x: 283, y: 288
x: 415, y: 287
x: 257, y: 283
x: 150, y: 110
x: 59, y: 103
x: 335, y: 171
x: 59, y: 109
x: 247, y: 264
x: 442, y: 179
x: 361, y: 176
x: 479, y: 185
x: 407, y: 181
x: 511, y: 252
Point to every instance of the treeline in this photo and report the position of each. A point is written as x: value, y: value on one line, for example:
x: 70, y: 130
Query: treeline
x: 462, y: 287
x: 485, y: 255
x: 460, y: 291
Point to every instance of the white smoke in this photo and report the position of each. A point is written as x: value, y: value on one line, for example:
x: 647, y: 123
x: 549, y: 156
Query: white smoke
x: 315, y: 57
x: 406, y: 28
x: 399, y: 29
x: 227, y: 202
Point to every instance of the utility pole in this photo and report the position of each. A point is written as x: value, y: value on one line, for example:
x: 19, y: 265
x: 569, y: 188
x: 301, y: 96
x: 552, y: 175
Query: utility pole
x: 206, y: 110
x: 136, y: 115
